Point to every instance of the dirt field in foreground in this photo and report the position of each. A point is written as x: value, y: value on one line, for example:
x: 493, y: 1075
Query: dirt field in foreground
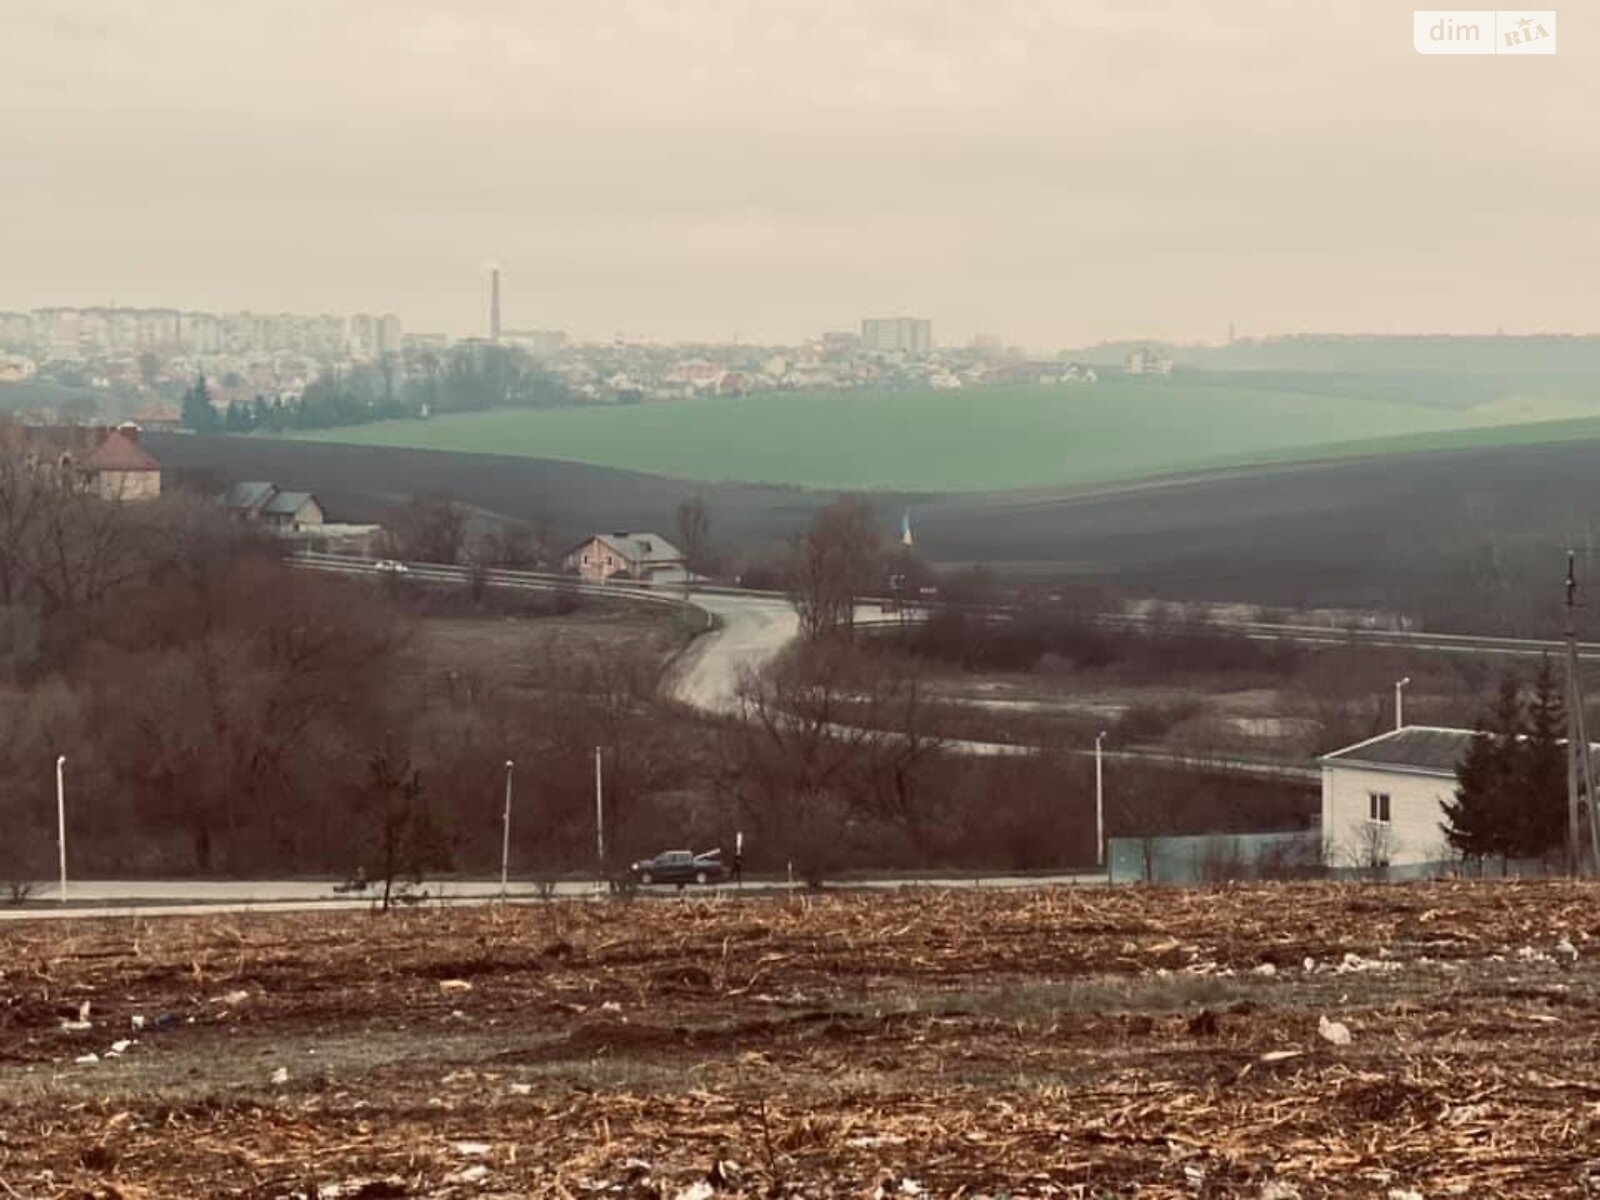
x: 1060, y: 1043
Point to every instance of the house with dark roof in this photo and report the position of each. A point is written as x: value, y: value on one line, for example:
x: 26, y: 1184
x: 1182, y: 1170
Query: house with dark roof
x: 1383, y: 799
x: 267, y: 504
x: 640, y: 557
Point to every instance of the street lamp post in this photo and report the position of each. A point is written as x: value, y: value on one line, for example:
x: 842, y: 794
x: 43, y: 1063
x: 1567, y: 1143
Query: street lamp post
x: 599, y: 819
x: 1099, y: 802
x: 61, y: 820
x: 1399, y: 715
x: 505, y: 837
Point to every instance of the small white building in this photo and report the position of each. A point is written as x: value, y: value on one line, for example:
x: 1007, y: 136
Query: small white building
x: 1383, y: 799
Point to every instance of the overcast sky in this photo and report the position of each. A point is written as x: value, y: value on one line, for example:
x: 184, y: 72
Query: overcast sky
x: 1051, y: 171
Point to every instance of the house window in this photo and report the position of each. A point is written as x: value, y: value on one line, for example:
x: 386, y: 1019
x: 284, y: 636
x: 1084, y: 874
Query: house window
x: 1378, y: 807
x: 586, y: 560
x: 608, y: 560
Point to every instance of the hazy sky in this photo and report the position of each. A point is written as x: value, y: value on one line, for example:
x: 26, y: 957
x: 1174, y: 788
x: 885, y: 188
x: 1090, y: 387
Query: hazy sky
x: 1053, y: 171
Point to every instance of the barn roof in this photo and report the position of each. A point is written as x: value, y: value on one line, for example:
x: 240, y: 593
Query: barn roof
x: 249, y: 495
x: 286, y: 504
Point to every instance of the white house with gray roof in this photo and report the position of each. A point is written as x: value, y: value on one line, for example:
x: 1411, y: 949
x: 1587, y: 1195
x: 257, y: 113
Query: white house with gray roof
x: 1383, y: 799
x: 641, y: 557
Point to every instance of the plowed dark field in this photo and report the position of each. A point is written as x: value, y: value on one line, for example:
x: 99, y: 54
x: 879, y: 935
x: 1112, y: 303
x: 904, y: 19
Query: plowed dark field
x: 1053, y: 1043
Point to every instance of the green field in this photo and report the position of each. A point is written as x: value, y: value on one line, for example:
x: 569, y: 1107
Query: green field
x: 972, y: 440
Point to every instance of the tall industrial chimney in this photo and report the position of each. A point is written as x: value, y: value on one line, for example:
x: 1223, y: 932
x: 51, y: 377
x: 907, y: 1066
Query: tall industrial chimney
x: 494, y: 304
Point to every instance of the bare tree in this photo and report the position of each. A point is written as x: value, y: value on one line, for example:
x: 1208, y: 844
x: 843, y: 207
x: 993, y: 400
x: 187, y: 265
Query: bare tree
x: 1371, y: 848
x: 507, y: 544
x: 428, y: 529
x: 832, y: 563
x: 694, y: 536
x: 63, y: 546
x: 827, y: 746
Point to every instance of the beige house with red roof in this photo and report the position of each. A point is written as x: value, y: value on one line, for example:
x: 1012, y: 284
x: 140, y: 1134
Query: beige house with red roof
x: 110, y: 462
x: 121, y: 469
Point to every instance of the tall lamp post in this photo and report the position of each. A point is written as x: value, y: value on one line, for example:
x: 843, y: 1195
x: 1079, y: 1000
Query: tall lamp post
x: 61, y: 820
x: 599, y: 819
x: 1099, y: 803
x: 1399, y: 702
x: 505, y: 836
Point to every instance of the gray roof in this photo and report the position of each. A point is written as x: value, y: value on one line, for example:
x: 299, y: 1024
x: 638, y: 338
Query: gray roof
x: 1416, y: 749
x: 1424, y: 749
x: 286, y: 504
x: 249, y: 496
x: 642, y: 547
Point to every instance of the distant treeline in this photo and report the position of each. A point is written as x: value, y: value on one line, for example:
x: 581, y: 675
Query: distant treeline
x: 1071, y: 636
x: 465, y: 379
x: 1532, y: 357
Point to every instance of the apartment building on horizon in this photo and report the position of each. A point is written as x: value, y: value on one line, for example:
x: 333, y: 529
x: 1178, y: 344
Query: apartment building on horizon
x: 897, y: 335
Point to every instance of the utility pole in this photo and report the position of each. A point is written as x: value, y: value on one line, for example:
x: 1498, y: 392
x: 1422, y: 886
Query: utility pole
x: 1399, y: 710
x: 1580, y: 766
x: 505, y: 836
x: 1099, y: 803
x: 599, y: 818
x: 61, y: 820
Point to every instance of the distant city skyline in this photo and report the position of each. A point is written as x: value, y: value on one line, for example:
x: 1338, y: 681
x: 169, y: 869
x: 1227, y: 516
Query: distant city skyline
x: 854, y: 325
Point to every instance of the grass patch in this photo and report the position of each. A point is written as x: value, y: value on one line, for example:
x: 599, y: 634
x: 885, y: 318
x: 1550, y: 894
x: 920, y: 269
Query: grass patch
x: 974, y: 439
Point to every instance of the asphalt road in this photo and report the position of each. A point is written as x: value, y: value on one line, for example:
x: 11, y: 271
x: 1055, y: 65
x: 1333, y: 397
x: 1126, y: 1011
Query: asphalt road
x: 183, y: 897
x: 752, y: 630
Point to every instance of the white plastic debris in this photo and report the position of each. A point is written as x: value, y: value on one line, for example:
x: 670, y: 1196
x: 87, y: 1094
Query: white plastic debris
x: 522, y: 1089
x: 1267, y: 970
x: 1194, y: 1175
x: 1310, y: 965
x: 1277, y: 1190
x: 473, y: 1174
x: 235, y: 998
x: 280, y: 1076
x: 471, y: 1149
x: 886, y: 1189
x: 119, y: 1048
x: 1352, y: 964
x: 611, y: 1006
x: 1335, y: 1032
x: 449, y: 986
x: 1404, y: 1194
x: 699, y: 1190
x: 1566, y: 952
x: 87, y: 1059
x: 76, y: 1026
x: 137, y: 1022
x: 1273, y: 1056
